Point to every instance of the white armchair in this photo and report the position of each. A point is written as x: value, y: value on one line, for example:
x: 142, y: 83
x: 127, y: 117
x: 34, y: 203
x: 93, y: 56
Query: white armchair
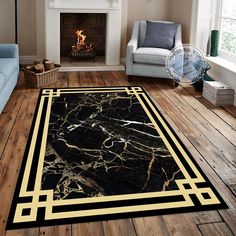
x: 147, y: 61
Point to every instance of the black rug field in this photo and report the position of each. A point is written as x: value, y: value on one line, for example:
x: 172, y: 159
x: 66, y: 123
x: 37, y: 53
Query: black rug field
x: 104, y: 153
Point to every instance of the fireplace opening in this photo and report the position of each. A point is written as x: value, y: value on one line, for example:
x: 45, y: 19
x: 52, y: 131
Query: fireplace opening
x: 83, y: 38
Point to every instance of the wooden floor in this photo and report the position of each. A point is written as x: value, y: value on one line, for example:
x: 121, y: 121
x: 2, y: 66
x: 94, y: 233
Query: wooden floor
x: 208, y: 132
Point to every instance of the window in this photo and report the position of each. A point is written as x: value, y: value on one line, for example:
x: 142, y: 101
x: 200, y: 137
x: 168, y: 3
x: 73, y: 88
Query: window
x: 227, y: 25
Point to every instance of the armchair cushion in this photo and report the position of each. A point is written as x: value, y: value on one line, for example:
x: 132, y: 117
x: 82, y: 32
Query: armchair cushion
x: 160, y: 35
x: 156, y: 56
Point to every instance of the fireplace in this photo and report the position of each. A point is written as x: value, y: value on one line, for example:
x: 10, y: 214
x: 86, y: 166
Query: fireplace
x: 108, y: 11
x: 82, y: 36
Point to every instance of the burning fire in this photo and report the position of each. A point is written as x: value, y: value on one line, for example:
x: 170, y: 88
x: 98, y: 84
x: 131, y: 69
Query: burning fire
x: 80, y: 37
x: 81, y: 45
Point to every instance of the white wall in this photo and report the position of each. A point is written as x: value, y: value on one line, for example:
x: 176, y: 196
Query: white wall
x: 26, y: 21
x: 180, y: 11
x: 31, y: 22
x: 7, y: 24
x: 146, y: 10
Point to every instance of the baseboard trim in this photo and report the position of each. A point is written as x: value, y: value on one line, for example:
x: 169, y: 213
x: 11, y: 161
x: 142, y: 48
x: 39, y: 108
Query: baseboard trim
x: 92, y: 68
x: 31, y: 58
x: 27, y: 59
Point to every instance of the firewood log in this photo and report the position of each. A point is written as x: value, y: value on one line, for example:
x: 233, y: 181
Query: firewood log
x: 31, y: 68
x: 38, y: 61
x: 49, y: 65
x: 39, y: 68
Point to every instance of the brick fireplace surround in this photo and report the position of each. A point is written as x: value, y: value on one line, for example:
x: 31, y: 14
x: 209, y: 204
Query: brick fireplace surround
x: 112, y: 9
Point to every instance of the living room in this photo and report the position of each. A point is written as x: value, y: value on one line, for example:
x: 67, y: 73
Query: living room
x: 117, y: 117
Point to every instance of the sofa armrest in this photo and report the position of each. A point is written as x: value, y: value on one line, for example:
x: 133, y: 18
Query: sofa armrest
x: 178, y: 36
x: 131, y: 48
x: 9, y: 51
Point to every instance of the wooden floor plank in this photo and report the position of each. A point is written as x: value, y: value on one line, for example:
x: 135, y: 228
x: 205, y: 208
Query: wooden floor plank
x: 216, y: 229
x: 150, y: 226
x: 119, y: 228
x: 62, y: 230
x: 23, y: 232
x: 222, y: 113
x: 109, y: 78
x: 88, y: 229
x: 85, y: 79
x: 175, y: 225
x: 62, y: 80
x: 21, y: 85
x: 8, y: 117
x: 73, y: 79
x: 233, y: 189
x: 205, y: 217
x: 120, y: 79
x: 231, y: 110
x: 97, y: 79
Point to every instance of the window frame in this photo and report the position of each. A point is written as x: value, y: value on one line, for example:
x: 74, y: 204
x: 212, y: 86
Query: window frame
x: 217, y: 11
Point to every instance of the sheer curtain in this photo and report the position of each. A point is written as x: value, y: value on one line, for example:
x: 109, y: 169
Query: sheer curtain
x: 201, y: 25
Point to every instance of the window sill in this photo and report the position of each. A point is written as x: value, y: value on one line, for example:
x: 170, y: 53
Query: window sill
x: 223, y: 63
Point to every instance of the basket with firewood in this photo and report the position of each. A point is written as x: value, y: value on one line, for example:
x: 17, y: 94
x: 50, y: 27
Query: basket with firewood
x: 41, y: 74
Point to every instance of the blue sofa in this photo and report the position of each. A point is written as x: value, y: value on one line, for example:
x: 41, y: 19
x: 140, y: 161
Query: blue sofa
x: 9, y: 71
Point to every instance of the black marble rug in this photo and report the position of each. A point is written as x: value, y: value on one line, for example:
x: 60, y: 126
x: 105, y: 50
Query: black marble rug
x: 104, y: 153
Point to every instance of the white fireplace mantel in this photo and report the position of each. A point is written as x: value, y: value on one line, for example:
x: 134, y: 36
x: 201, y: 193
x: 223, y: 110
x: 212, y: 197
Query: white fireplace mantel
x: 53, y: 9
x: 82, y: 4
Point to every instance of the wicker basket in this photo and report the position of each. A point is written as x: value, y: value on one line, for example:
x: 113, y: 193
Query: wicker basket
x: 40, y: 80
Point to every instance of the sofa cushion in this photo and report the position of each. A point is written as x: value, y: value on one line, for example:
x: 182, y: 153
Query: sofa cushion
x: 160, y: 35
x: 155, y: 56
x: 8, y: 66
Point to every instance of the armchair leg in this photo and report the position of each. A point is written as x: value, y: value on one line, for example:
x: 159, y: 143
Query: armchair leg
x: 176, y: 84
